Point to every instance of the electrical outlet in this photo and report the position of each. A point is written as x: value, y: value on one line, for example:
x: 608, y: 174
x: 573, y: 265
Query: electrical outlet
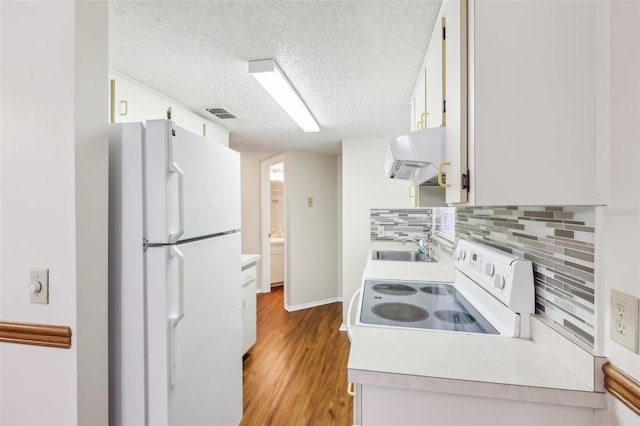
x: 380, y: 231
x: 624, y: 320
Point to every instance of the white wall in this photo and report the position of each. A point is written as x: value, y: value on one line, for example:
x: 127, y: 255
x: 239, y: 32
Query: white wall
x: 618, y: 223
x: 250, y: 175
x: 364, y: 186
x: 311, y: 235
x: 91, y: 186
x: 250, y: 200
x: 339, y: 222
x: 53, y: 190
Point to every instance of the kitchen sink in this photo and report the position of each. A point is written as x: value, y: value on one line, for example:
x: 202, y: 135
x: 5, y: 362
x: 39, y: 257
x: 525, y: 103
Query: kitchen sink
x: 400, y: 255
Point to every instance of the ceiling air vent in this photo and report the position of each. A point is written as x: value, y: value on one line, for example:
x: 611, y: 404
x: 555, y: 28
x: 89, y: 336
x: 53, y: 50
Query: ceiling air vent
x: 221, y: 113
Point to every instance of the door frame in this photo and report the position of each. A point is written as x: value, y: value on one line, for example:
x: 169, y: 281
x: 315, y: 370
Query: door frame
x: 265, y: 221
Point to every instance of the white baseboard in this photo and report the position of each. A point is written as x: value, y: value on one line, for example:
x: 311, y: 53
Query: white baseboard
x: 343, y: 327
x: 291, y: 308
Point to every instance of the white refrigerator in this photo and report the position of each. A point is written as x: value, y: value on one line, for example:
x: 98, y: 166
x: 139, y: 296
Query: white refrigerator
x: 174, y: 278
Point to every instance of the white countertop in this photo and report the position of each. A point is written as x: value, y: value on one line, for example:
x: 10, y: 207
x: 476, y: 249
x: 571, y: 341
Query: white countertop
x: 464, y: 364
x: 457, y: 363
x: 248, y: 259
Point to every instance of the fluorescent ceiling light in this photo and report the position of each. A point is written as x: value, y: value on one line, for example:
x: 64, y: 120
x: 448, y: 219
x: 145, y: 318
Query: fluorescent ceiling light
x: 271, y: 77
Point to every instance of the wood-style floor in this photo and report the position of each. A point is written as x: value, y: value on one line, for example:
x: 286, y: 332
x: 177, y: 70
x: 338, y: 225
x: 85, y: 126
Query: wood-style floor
x: 296, y: 372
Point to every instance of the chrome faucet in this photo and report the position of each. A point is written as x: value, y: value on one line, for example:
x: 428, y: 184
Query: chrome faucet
x: 423, y: 247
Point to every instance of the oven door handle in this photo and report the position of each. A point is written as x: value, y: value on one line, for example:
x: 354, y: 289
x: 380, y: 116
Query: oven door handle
x: 353, y: 298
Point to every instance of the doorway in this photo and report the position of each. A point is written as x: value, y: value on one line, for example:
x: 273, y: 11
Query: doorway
x: 276, y: 231
x: 273, y: 235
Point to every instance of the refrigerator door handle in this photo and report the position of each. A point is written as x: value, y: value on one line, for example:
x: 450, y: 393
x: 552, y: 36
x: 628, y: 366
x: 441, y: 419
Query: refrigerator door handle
x: 175, y: 318
x: 174, y: 168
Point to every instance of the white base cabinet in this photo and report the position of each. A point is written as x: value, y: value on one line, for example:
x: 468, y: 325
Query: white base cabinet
x: 376, y: 405
x: 248, y: 305
x: 277, y: 263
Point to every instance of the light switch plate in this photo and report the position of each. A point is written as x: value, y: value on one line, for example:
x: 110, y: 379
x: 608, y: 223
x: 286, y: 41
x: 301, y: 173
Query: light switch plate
x: 310, y: 202
x: 380, y: 231
x: 624, y: 320
x: 39, y: 275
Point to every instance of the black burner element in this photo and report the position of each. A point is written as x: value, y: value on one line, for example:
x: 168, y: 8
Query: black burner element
x: 402, y: 312
x: 440, y: 291
x: 455, y: 317
x: 394, y: 289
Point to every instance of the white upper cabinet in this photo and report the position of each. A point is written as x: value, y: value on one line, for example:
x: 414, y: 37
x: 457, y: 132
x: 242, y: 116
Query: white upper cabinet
x: 131, y: 102
x: 532, y: 102
x: 441, y: 78
x: 418, y: 104
x: 426, y: 101
x: 523, y: 91
x: 454, y: 19
x: 433, y: 61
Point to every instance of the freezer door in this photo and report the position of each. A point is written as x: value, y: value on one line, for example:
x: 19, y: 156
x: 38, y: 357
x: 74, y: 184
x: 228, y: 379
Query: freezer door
x: 193, y: 333
x: 192, y: 184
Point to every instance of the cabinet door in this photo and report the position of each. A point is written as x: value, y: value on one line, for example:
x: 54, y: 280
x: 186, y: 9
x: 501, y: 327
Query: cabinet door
x: 420, y: 103
x: 455, y: 60
x: 434, y: 77
x: 248, y: 316
x: 130, y: 103
x: 277, y: 263
x: 357, y: 405
x: 400, y: 406
x: 412, y: 109
x: 537, y: 86
x: 199, y: 125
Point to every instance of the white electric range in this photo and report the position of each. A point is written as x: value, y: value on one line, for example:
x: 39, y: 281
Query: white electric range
x: 493, y: 293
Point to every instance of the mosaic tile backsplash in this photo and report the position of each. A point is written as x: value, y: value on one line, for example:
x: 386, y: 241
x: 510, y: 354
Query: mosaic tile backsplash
x: 400, y: 224
x: 559, y: 241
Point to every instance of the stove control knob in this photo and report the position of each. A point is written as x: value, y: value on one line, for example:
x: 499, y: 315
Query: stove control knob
x: 489, y: 269
x: 498, y: 282
x: 461, y: 255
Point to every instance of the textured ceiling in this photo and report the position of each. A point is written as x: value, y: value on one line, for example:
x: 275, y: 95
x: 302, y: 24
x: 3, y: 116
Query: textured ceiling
x: 353, y: 62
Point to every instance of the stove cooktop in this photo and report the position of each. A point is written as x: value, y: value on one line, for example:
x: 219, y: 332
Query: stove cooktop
x: 426, y: 305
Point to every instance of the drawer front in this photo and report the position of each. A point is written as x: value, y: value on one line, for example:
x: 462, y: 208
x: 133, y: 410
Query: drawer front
x: 249, y: 275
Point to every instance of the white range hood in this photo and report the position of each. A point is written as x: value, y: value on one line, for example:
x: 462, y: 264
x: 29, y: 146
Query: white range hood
x: 415, y: 156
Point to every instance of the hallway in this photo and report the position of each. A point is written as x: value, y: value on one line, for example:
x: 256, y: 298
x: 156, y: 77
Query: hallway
x: 295, y: 374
